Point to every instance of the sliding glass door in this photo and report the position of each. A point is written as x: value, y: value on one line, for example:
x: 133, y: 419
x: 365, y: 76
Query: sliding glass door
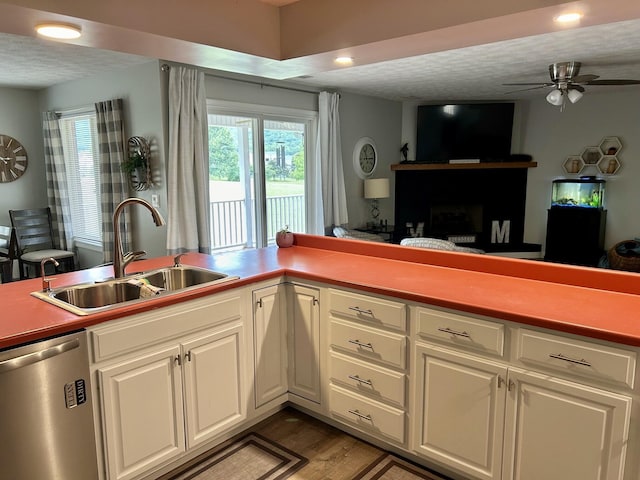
x: 256, y: 177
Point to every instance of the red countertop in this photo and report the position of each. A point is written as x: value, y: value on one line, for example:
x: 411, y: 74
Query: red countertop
x: 595, y: 303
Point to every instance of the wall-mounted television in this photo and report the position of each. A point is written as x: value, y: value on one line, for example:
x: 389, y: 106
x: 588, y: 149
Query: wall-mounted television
x: 464, y: 131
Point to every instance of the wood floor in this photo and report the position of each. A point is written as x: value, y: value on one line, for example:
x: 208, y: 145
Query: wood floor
x: 332, y: 454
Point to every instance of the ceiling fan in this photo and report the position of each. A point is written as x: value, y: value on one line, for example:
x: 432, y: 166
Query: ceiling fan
x: 567, y: 83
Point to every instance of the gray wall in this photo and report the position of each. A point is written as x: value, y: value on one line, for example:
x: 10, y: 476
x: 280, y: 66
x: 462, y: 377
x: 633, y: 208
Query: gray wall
x: 381, y: 120
x: 20, y: 119
x: 139, y: 86
x: 550, y: 136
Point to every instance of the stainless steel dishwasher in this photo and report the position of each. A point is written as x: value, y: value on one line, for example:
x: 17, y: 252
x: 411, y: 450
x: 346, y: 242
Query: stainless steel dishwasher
x: 46, y: 419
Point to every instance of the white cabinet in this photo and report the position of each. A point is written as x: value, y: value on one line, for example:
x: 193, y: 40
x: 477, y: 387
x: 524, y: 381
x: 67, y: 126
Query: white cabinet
x: 460, y: 405
x: 490, y: 419
x: 559, y: 429
x: 367, y: 364
x: 142, y: 411
x: 270, y: 343
x: 304, y: 341
x: 169, y: 395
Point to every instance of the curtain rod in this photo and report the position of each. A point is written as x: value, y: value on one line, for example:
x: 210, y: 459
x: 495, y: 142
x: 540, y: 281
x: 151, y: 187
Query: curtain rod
x: 166, y: 68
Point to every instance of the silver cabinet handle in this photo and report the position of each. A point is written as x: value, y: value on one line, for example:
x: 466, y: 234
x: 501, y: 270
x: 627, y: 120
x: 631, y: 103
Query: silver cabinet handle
x: 361, y: 310
x: 34, y: 357
x: 361, y: 345
x: 560, y: 356
x: 360, y: 415
x: 358, y: 379
x: 454, y: 332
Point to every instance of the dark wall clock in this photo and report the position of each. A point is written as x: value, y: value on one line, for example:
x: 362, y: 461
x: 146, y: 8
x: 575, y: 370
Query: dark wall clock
x: 13, y: 159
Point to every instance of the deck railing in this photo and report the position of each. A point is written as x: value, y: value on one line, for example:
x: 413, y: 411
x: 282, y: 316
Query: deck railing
x: 230, y: 226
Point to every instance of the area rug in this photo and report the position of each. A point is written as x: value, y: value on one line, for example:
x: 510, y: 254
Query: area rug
x: 390, y: 467
x: 253, y: 457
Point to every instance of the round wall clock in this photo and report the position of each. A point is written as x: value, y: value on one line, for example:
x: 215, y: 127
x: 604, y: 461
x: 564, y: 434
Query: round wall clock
x: 13, y: 159
x: 365, y: 157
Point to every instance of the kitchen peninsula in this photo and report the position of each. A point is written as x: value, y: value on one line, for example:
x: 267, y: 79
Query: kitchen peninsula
x: 391, y: 333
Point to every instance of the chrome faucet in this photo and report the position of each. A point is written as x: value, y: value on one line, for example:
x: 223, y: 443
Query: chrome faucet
x: 121, y: 259
x: 46, y: 282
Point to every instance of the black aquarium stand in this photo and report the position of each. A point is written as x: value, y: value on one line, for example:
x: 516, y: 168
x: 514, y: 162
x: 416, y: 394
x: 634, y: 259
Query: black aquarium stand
x: 575, y: 235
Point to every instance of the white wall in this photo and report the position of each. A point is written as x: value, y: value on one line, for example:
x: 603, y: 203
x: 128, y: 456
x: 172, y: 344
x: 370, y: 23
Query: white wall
x: 20, y: 119
x: 550, y: 136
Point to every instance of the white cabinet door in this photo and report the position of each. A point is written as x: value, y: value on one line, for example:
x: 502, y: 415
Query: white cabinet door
x: 214, y: 371
x: 142, y: 412
x: 460, y: 401
x: 304, y: 341
x: 270, y: 337
x: 559, y: 429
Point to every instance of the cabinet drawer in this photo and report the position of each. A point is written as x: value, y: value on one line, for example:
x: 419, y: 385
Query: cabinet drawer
x: 461, y: 330
x: 385, y: 347
x: 576, y: 357
x: 368, y: 415
x: 370, y: 380
x: 368, y: 308
x: 138, y: 331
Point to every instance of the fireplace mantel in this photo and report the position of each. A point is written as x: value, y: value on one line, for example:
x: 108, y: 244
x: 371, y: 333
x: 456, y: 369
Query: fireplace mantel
x: 461, y: 166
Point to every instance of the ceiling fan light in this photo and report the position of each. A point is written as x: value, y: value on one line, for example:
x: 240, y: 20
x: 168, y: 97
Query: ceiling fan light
x: 574, y: 95
x: 58, y: 31
x: 555, y: 98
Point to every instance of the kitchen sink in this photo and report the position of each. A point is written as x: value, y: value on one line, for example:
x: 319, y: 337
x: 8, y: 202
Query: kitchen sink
x: 87, y: 298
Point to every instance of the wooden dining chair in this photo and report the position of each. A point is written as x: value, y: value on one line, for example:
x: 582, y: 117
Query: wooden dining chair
x: 7, y: 252
x: 35, y: 241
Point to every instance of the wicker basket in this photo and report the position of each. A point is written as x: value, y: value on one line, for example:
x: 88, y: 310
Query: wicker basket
x: 624, y: 256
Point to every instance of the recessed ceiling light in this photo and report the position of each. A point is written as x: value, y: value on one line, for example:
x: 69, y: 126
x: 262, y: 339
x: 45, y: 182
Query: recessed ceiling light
x: 59, y: 31
x: 569, y: 17
x: 344, y: 60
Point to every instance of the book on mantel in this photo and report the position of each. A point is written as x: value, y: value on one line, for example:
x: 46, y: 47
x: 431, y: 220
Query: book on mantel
x: 455, y: 161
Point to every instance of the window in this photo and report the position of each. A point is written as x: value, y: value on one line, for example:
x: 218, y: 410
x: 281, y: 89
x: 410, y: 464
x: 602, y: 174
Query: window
x: 79, y: 142
x: 257, y: 181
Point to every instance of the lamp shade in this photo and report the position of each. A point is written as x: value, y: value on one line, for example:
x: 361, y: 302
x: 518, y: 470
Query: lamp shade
x: 376, y: 188
x: 574, y: 95
x: 555, y: 97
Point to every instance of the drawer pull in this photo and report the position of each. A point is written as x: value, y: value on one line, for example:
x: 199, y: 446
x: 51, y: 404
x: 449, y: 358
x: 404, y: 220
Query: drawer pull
x: 560, y: 356
x: 361, y: 345
x: 358, y: 379
x: 454, y: 332
x: 358, y: 414
x: 361, y: 310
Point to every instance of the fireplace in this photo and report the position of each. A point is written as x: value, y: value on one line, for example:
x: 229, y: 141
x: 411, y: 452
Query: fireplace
x: 482, y: 207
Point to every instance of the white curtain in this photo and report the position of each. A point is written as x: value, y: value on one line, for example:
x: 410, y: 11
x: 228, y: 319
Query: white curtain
x: 329, y: 153
x: 188, y: 163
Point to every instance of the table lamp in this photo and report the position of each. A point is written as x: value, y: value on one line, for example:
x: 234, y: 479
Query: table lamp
x: 374, y: 189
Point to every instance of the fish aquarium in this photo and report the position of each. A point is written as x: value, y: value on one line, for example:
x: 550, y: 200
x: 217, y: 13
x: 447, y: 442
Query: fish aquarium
x: 585, y: 192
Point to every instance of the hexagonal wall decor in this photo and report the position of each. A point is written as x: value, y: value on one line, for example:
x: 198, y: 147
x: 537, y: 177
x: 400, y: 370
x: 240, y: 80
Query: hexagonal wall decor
x: 609, y: 165
x: 573, y: 164
x: 591, y: 155
x: 610, y: 146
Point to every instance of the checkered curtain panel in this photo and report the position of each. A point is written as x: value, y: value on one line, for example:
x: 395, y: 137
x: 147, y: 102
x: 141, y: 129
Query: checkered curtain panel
x: 113, y: 183
x: 56, y: 180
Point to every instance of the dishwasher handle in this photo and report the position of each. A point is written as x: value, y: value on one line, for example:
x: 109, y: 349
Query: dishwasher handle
x: 34, y: 357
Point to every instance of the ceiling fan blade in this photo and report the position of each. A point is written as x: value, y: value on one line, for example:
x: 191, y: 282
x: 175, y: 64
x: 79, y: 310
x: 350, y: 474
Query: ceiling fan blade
x: 540, y: 84
x: 573, y: 86
x: 525, y: 89
x: 584, y: 78
x: 613, y: 82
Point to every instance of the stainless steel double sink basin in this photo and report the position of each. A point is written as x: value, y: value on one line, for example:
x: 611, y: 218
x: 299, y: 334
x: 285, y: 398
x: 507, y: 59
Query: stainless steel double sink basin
x: 86, y: 298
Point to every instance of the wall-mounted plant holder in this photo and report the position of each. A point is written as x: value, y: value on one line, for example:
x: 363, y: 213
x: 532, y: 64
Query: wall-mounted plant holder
x: 137, y: 164
x: 573, y: 164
